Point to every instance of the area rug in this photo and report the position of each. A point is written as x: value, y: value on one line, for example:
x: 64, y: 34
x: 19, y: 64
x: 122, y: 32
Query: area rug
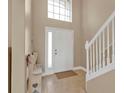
x: 65, y: 74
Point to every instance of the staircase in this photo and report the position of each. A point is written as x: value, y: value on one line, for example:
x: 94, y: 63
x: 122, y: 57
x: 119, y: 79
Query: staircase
x: 100, y: 50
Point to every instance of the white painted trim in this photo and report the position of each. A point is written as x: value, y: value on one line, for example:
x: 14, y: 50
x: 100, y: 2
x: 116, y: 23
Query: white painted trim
x: 102, y: 71
x: 84, y: 69
x: 80, y: 68
x: 53, y: 72
x: 74, y: 68
x: 46, y: 74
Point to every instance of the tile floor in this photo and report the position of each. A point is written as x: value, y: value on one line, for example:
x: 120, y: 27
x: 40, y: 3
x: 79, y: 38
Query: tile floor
x: 73, y: 84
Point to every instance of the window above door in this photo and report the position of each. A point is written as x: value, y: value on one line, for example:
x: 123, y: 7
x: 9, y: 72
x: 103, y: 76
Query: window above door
x: 60, y: 10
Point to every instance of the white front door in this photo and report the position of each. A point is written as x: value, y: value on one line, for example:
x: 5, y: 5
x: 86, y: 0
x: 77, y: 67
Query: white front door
x: 59, y: 50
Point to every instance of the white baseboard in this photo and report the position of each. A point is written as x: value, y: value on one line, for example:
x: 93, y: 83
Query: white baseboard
x: 80, y: 68
x: 74, y: 68
x: 46, y: 74
x: 102, y: 71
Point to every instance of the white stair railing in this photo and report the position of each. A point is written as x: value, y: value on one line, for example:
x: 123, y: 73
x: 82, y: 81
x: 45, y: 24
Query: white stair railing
x: 100, y: 50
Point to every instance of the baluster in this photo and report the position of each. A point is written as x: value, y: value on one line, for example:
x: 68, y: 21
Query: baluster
x: 108, y: 58
x: 96, y: 55
x: 113, y: 41
x: 100, y: 62
x: 87, y: 54
x: 103, y: 60
x: 93, y: 58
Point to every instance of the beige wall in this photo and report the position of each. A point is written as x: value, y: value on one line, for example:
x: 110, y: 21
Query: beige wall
x: 40, y: 21
x: 28, y: 26
x: 18, y: 47
x: 88, y: 16
x: 9, y: 22
x: 94, y: 14
x: 102, y: 84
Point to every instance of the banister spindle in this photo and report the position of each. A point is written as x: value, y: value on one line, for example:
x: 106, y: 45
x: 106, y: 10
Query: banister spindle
x: 100, y: 62
x: 94, y: 58
x: 113, y: 41
x: 108, y: 58
x: 87, y: 55
x: 91, y: 66
x: 96, y: 55
x: 103, y: 54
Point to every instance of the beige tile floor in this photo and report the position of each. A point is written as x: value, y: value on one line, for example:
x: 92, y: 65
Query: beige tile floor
x: 74, y: 84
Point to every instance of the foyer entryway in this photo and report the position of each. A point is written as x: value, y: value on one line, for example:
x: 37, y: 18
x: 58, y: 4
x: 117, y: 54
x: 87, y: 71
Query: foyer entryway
x: 73, y: 84
x: 58, y: 49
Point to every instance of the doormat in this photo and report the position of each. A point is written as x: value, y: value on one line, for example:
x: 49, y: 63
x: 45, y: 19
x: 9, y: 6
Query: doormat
x: 65, y: 74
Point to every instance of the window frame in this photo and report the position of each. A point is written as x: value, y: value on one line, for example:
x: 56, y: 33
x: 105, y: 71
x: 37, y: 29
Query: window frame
x: 66, y: 16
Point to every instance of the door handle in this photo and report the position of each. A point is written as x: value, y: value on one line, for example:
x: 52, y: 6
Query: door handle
x: 55, y: 50
x: 55, y: 53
